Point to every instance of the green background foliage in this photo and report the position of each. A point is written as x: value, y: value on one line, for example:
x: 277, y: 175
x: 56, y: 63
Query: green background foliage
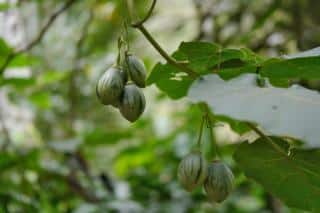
x: 62, y: 151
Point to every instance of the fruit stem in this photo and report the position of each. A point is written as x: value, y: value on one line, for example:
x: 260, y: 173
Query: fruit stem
x: 204, y: 107
x: 200, y: 132
x: 216, y: 153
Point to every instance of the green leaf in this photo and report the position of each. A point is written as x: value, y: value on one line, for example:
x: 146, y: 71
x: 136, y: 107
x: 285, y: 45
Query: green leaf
x: 168, y: 80
x: 228, y: 73
x: 201, y: 55
x: 307, y: 68
x: 290, y: 111
x: 295, y: 179
x: 203, y: 58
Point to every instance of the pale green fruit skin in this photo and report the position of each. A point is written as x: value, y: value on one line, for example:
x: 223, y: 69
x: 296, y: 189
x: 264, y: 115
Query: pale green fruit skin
x: 110, y: 86
x: 192, y: 171
x: 136, y: 70
x: 219, y: 182
x: 132, y: 103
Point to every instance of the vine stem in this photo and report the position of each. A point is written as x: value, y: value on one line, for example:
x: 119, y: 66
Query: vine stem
x: 154, y: 2
x: 165, y: 55
x: 268, y: 139
x: 140, y: 26
x: 38, y: 38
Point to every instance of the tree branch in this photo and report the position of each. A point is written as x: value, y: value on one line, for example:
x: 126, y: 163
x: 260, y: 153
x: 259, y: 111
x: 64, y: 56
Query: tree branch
x: 38, y: 38
x: 139, y: 25
x: 149, y: 13
x: 165, y: 55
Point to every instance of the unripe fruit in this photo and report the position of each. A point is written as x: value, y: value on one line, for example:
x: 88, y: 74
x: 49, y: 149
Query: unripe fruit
x: 132, y: 103
x: 219, y: 182
x: 192, y: 171
x: 124, y: 75
x: 136, y: 70
x: 110, y: 86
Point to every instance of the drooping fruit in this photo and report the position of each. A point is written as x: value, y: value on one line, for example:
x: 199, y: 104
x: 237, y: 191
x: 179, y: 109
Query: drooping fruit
x: 132, y: 102
x: 124, y: 75
x: 219, y: 182
x: 136, y: 70
x: 110, y: 86
x: 192, y: 170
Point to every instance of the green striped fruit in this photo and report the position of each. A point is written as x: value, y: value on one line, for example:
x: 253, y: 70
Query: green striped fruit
x: 192, y: 171
x: 132, y: 103
x: 110, y: 86
x: 124, y: 75
x: 136, y: 70
x: 219, y: 182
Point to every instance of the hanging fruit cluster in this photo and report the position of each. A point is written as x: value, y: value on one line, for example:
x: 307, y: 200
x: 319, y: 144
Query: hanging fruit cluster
x: 216, y: 177
x: 115, y: 89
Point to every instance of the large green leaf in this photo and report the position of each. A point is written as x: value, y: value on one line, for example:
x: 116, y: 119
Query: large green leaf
x: 203, y: 58
x: 290, y: 111
x: 304, y: 65
x: 295, y: 179
x: 307, y: 68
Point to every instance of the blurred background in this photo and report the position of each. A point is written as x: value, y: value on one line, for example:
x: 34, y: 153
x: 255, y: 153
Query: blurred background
x: 62, y: 151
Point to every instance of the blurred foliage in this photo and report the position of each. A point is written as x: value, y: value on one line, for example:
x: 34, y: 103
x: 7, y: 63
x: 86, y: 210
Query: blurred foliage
x: 68, y: 153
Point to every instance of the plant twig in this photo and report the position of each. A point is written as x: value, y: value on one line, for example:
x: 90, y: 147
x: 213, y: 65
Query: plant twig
x: 149, y: 13
x: 165, y: 55
x: 38, y: 38
x: 268, y: 139
x: 140, y: 26
x: 212, y: 139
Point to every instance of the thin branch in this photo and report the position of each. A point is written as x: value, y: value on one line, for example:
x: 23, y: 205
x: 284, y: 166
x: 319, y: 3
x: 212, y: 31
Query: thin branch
x: 268, y: 139
x: 142, y: 21
x: 38, y: 38
x: 139, y: 25
x: 207, y: 114
x: 165, y: 55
